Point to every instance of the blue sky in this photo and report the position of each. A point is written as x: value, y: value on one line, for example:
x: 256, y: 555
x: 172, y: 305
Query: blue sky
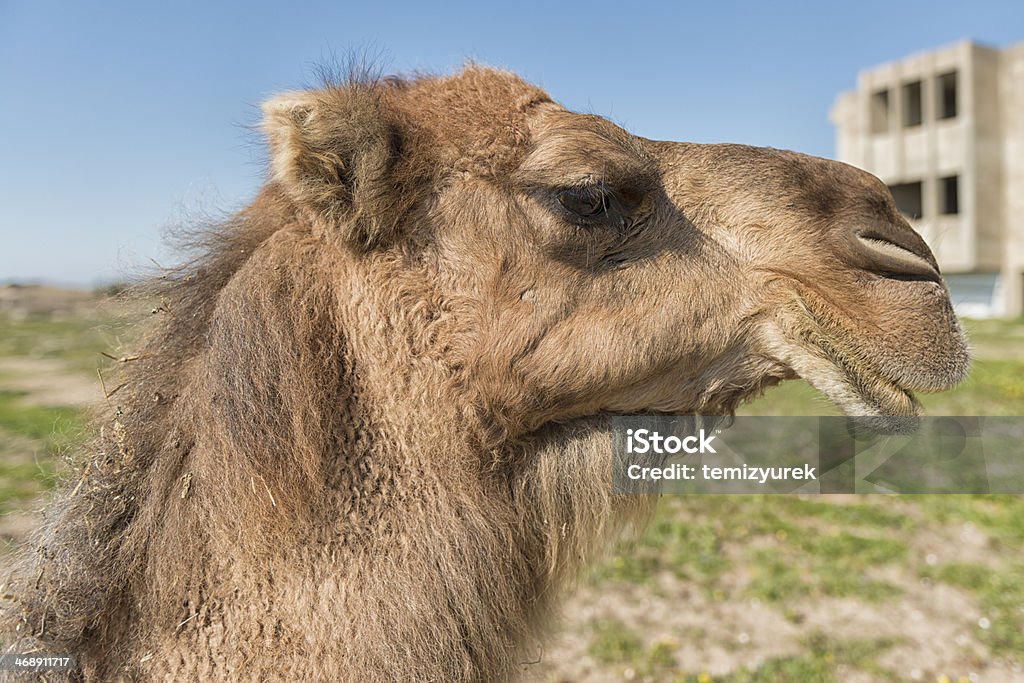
x: 118, y: 119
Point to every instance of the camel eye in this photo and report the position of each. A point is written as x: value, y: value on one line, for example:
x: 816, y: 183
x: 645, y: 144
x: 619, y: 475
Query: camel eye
x: 584, y: 201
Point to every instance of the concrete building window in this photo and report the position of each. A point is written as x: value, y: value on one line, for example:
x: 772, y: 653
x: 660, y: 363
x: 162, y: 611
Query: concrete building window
x: 908, y: 199
x: 975, y: 295
x: 912, y: 104
x: 880, y: 111
x: 950, y: 195
x: 946, y: 92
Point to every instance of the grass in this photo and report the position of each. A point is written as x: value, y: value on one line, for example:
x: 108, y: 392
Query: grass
x: 790, y: 552
x: 1000, y: 593
x: 1001, y: 517
x: 824, y: 660
x: 787, y: 552
x: 23, y: 481
x: 30, y: 438
x: 53, y: 428
x: 74, y: 341
x: 691, y: 552
x: 32, y: 435
x: 994, y: 387
x: 617, y: 646
x: 832, y: 544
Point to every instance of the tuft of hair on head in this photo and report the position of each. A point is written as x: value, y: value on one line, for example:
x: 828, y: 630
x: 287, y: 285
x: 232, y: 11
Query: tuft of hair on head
x: 335, y: 152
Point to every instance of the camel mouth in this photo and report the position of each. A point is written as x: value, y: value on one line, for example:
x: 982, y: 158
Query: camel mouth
x: 857, y: 388
x: 863, y: 365
x: 874, y: 394
x: 877, y: 403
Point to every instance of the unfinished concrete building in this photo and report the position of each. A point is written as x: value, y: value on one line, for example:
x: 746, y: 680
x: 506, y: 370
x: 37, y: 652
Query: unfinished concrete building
x: 945, y: 130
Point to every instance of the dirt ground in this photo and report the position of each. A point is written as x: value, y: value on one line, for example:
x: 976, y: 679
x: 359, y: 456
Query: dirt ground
x: 928, y: 632
x: 49, y: 382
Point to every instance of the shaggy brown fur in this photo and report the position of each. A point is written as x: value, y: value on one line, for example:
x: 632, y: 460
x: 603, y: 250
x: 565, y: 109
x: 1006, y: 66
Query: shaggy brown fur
x: 369, y: 437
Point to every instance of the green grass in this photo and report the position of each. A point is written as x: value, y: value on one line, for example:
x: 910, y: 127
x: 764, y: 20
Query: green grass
x: 791, y: 546
x: 1000, y: 593
x: 822, y: 662
x: 999, y: 516
x: 790, y: 551
x: 30, y: 438
x: 825, y: 660
x: 75, y: 341
x: 691, y: 552
x: 994, y: 387
x: 54, y: 428
x: 22, y: 481
x: 866, y: 514
x: 612, y: 642
x: 615, y: 645
x: 833, y: 565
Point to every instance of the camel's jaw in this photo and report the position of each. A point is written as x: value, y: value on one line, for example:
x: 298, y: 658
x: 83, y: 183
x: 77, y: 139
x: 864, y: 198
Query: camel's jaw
x: 865, y: 372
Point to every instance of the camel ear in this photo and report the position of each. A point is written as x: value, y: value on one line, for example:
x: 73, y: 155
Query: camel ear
x: 334, y: 151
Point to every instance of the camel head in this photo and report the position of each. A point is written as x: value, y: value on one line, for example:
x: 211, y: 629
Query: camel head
x: 559, y: 266
x: 332, y: 448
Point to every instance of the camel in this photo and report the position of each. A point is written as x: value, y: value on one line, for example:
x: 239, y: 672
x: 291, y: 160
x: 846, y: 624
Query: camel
x: 368, y: 436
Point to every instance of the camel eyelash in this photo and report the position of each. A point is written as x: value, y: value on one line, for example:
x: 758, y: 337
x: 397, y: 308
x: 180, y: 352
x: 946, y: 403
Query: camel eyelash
x: 586, y: 201
x: 597, y: 204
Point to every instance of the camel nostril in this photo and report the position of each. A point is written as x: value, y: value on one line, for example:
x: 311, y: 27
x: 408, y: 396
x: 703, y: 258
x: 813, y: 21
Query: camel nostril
x: 911, y: 259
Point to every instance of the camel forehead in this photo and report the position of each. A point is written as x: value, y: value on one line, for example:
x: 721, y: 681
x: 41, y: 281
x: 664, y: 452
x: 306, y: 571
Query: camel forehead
x: 482, y: 90
x: 495, y: 123
x: 475, y: 120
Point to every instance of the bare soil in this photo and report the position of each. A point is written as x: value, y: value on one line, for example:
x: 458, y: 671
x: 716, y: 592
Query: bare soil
x: 48, y: 382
